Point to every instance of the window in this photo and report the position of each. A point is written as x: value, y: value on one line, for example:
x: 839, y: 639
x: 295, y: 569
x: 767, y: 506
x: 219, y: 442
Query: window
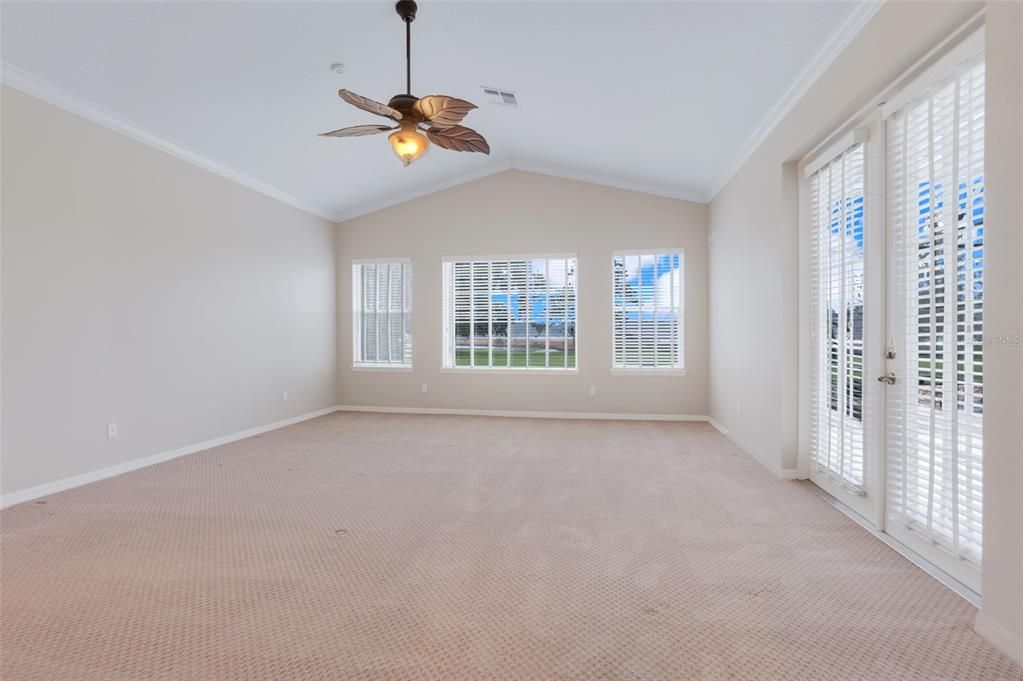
x: 836, y: 316
x: 648, y: 331
x: 936, y: 214
x: 381, y: 313
x: 510, y: 313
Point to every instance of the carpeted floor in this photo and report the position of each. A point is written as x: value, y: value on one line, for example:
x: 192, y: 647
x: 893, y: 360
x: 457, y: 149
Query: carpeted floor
x: 362, y: 546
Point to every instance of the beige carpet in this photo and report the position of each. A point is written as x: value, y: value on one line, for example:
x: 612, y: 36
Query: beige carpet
x: 360, y: 546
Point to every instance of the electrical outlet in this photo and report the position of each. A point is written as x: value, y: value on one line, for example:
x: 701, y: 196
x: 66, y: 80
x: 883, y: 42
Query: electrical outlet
x: 111, y: 431
x: 425, y: 387
x: 593, y: 390
x: 284, y: 396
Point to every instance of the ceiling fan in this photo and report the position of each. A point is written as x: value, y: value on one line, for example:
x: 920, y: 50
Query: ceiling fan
x: 439, y: 116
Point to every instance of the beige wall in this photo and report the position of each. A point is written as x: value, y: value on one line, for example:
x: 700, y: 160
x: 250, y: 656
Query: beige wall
x: 143, y: 290
x: 1003, y: 361
x: 754, y: 257
x: 513, y: 213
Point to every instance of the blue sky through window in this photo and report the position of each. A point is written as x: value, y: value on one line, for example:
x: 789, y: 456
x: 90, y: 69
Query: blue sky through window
x: 648, y: 285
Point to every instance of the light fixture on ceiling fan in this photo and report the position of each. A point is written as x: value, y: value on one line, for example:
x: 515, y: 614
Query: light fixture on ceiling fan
x: 439, y: 116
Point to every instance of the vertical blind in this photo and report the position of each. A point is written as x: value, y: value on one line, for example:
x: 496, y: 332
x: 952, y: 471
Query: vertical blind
x: 648, y: 311
x: 935, y: 176
x: 837, y: 215
x: 510, y: 313
x: 382, y: 305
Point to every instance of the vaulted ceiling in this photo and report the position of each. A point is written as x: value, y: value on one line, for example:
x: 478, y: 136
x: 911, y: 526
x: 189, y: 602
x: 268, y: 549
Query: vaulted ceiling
x: 663, y: 97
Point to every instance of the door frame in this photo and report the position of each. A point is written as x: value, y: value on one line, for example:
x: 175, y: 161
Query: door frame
x: 873, y: 513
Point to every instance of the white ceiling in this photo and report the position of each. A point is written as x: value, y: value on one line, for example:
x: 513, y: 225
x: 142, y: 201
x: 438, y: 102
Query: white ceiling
x: 664, y: 97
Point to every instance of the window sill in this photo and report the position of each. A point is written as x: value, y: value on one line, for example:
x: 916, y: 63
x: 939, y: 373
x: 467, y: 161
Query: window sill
x: 540, y: 371
x: 387, y: 368
x: 650, y: 372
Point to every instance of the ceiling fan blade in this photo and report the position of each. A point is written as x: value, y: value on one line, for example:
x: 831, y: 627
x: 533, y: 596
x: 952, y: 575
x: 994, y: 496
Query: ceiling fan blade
x: 443, y: 111
x: 357, y: 131
x: 458, y: 138
x: 369, y: 105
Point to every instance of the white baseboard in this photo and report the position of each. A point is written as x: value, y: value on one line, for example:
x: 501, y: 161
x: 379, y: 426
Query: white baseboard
x: 783, y: 473
x: 1000, y: 637
x: 720, y: 428
x: 85, y: 478
x: 513, y: 413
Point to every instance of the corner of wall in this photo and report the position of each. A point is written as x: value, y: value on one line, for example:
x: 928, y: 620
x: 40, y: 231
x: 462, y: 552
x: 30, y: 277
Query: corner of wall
x: 788, y: 388
x: 339, y: 272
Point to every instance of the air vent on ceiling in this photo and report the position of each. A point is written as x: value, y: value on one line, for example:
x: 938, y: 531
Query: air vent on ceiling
x: 498, y: 96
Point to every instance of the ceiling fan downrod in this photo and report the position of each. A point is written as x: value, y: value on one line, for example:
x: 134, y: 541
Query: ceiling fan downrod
x: 406, y: 9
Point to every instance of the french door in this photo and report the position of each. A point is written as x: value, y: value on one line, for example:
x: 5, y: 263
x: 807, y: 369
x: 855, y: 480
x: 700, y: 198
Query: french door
x: 935, y: 407
x: 896, y: 288
x: 846, y: 298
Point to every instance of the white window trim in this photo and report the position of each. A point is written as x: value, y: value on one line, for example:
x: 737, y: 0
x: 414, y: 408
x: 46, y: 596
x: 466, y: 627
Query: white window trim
x: 532, y: 371
x: 937, y: 72
x: 446, y: 331
x: 652, y: 371
x: 356, y: 302
x: 846, y: 142
x: 386, y: 368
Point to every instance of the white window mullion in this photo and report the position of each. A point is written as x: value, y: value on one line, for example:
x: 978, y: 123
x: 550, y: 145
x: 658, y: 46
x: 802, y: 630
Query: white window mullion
x: 933, y: 310
x: 508, y: 310
x: 490, y: 314
x: 951, y: 314
x: 529, y: 312
x: 376, y: 313
x: 472, y: 315
x: 842, y: 322
x: 387, y: 314
x: 565, y: 315
x: 832, y: 349
x: 657, y: 342
x: 900, y: 286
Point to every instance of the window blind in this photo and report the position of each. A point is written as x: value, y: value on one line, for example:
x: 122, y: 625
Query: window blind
x: 510, y: 313
x: 648, y: 311
x: 837, y: 220
x: 935, y: 176
x: 382, y: 307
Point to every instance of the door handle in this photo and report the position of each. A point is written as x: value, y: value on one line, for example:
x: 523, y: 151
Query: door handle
x: 887, y: 379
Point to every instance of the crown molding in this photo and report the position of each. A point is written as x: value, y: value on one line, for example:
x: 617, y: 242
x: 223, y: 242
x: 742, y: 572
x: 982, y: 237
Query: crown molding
x: 24, y: 81
x: 825, y: 57
x: 30, y: 84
